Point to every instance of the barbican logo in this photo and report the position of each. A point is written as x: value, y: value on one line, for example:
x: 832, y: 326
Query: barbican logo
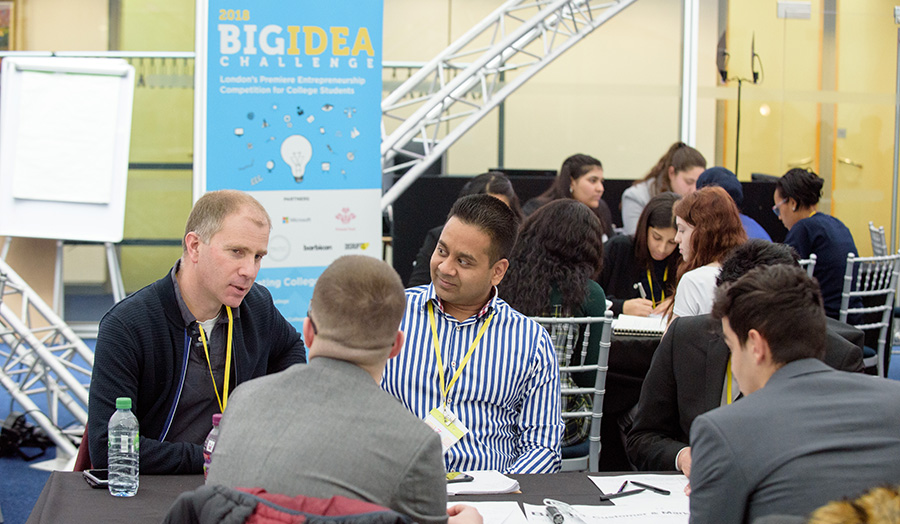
x: 345, y: 216
x: 359, y: 245
x: 316, y: 247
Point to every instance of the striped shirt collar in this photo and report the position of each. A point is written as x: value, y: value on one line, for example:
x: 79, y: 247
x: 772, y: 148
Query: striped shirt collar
x: 490, y: 305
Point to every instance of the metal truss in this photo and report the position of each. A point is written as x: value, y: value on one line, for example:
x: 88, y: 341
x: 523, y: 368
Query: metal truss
x: 42, y: 357
x: 455, y: 90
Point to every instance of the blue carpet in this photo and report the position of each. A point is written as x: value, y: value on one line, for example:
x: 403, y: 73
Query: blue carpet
x: 20, y: 485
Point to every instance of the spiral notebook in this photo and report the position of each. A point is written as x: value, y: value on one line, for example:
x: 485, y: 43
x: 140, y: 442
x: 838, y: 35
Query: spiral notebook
x: 641, y: 326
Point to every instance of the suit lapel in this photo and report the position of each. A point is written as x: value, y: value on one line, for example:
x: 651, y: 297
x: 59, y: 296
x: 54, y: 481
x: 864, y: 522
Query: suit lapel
x: 716, y: 362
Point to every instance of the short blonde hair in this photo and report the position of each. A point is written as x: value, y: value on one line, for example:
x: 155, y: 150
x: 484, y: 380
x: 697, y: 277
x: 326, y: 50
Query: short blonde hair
x: 358, y: 303
x: 211, y: 209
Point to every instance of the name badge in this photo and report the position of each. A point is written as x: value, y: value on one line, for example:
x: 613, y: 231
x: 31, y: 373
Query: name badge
x: 449, y: 427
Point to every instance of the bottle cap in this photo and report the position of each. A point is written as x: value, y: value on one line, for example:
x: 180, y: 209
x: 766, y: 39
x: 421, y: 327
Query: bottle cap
x: 216, y: 418
x: 123, y: 403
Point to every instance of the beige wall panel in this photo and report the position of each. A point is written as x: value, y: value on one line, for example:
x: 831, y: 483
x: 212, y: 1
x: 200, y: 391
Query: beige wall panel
x: 415, y: 30
x: 64, y: 25
x: 157, y: 25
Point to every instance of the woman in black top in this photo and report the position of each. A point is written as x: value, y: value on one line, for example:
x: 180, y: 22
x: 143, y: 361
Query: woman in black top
x: 648, y: 259
x: 580, y: 178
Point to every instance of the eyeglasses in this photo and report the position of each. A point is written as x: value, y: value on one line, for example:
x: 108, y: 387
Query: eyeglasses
x: 777, y: 207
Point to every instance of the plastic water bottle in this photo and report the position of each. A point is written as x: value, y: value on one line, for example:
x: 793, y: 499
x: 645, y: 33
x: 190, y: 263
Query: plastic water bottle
x: 123, y: 454
x: 210, y: 444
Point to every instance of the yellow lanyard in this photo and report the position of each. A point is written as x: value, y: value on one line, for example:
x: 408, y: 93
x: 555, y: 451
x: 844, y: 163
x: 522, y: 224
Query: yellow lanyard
x: 223, y: 400
x: 813, y: 213
x: 728, y: 382
x: 662, y: 291
x: 445, y: 388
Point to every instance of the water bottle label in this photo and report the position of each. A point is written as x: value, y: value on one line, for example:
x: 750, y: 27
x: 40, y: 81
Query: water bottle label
x: 125, y: 444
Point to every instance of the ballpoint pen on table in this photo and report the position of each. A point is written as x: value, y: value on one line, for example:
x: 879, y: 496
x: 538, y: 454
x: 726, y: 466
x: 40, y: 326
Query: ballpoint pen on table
x: 622, y: 486
x: 621, y: 494
x: 651, y: 488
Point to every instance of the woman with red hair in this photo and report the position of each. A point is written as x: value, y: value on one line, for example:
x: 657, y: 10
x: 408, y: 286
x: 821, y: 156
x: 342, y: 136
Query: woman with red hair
x: 708, y: 226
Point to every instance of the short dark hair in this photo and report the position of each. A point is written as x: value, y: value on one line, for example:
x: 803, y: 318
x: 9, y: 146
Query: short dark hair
x: 491, y: 216
x: 753, y: 253
x: 802, y: 185
x: 783, y: 304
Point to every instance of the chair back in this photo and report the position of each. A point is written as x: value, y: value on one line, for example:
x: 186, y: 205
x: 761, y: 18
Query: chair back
x: 874, y: 281
x: 879, y: 243
x: 809, y: 264
x: 570, y: 336
x: 83, y: 458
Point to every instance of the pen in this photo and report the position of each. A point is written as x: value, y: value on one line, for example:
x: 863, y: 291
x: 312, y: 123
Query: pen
x: 621, y: 494
x: 651, y: 488
x: 640, y: 288
x: 622, y: 486
x: 555, y: 515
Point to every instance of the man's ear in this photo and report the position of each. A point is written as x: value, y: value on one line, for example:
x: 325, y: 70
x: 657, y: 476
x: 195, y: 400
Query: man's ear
x: 498, y: 271
x: 308, y: 334
x: 192, y: 243
x: 759, y: 346
x: 398, y: 344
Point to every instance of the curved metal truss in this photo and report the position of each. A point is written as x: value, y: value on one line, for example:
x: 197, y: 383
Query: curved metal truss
x: 451, y: 93
x: 41, y: 357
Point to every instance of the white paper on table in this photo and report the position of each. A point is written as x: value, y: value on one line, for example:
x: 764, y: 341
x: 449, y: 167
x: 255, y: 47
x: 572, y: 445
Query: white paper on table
x: 675, y: 501
x: 609, y: 514
x: 484, y: 483
x: 497, y: 512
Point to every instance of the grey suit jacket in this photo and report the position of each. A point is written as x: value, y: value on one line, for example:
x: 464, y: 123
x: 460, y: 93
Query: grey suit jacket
x: 811, y: 435
x: 328, y: 429
x: 685, y: 380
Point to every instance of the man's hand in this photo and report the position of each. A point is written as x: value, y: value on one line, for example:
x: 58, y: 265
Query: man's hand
x: 462, y: 514
x: 683, y: 462
x: 639, y: 307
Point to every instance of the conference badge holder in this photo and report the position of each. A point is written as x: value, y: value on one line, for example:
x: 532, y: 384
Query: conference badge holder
x: 451, y: 430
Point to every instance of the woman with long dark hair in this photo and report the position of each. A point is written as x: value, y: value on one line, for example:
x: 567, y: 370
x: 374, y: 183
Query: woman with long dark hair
x: 810, y: 231
x: 708, y: 227
x: 580, y: 178
x: 551, y: 270
x: 640, y: 270
x: 677, y: 171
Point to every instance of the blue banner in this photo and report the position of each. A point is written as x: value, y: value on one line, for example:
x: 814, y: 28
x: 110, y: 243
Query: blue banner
x: 292, y: 114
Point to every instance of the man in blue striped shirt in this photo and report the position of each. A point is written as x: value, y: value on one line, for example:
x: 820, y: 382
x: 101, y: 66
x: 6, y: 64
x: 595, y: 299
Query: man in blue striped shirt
x: 472, y: 366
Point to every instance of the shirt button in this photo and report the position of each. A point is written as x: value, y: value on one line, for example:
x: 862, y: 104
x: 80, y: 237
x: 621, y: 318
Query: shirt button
x: 458, y: 328
x: 453, y: 364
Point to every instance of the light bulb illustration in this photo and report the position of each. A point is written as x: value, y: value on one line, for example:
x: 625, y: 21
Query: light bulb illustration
x: 296, y: 151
